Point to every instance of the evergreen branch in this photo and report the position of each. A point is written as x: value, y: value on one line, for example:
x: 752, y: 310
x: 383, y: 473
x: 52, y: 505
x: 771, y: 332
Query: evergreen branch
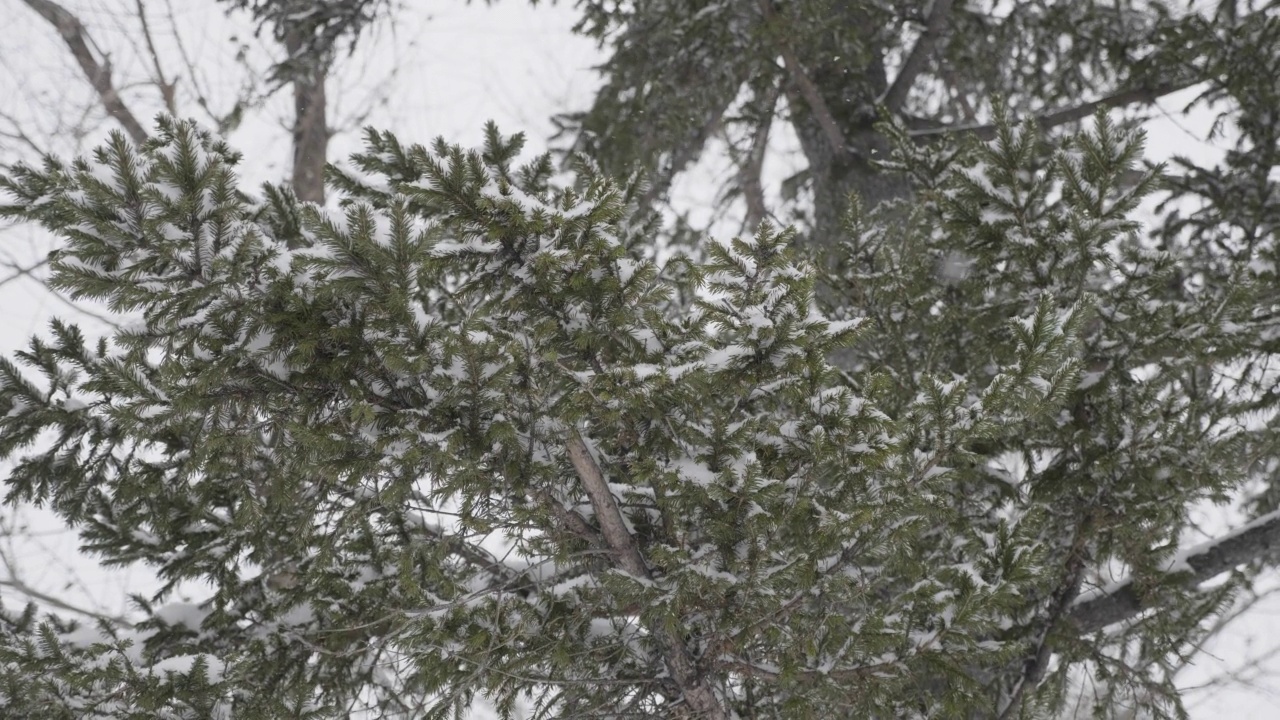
x: 1047, y: 121
x: 1122, y: 601
x: 897, y: 93
x: 76, y: 37
x: 1037, y: 663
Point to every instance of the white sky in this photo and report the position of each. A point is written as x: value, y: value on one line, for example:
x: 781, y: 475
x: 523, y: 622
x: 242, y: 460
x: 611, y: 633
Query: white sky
x: 442, y: 69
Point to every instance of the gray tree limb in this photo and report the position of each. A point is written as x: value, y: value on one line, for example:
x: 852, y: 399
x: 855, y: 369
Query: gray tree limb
x: 310, y: 126
x: 897, y: 93
x: 76, y: 37
x: 698, y: 693
x: 1132, y: 96
x: 1253, y: 543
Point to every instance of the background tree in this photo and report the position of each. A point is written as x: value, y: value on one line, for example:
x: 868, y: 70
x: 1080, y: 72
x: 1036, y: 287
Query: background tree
x: 149, y: 62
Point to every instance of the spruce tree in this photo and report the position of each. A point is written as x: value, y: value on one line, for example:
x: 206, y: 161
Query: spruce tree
x: 493, y: 431
x: 855, y: 82
x: 467, y: 436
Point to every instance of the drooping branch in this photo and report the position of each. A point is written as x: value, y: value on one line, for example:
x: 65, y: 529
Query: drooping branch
x: 897, y: 93
x: 923, y: 132
x: 1256, y: 541
x: 76, y: 37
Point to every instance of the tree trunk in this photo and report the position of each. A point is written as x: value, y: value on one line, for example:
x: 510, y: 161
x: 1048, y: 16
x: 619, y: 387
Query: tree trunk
x: 310, y: 129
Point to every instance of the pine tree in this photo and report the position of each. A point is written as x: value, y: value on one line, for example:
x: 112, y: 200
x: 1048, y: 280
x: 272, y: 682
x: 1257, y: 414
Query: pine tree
x: 855, y: 82
x: 493, y: 431
x: 471, y: 438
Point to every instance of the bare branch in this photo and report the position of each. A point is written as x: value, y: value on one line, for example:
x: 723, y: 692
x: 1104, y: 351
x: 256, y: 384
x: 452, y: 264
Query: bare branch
x: 19, y: 271
x: 98, y: 73
x: 18, y: 585
x: 60, y: 604
x: 19, y: 136
x: 167, y: 87
x: 1122, y: 601
x: 897, y: 93
x: 1047, y: 121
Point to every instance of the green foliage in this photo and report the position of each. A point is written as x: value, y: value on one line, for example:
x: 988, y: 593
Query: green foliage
x: 312, y: 30
x: 362, y: 446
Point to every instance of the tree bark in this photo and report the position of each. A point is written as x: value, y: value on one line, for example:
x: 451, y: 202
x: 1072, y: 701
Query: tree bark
x: 310, y: 126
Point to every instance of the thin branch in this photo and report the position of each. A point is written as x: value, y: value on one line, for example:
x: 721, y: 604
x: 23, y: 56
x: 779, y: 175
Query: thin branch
x: 1122, y: 601
x: 897, y: 93
x: 808, y: 89
x: 99, y: 74
x: 21, y: 271
x: 1047, y: 121
x: 166, y: 87
x: 23, y: 588
x: 17, y: 135
x: 17, y: 584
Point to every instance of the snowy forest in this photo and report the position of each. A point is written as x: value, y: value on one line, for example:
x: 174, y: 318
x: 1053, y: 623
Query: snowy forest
x: 736, y: 359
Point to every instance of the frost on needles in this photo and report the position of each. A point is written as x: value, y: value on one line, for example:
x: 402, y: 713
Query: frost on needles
x: 467, y: 436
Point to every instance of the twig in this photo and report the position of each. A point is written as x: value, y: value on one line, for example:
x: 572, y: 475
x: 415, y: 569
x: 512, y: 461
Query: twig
x: 21, y: 271
x: 166, y: 87
x: 60, y: 604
